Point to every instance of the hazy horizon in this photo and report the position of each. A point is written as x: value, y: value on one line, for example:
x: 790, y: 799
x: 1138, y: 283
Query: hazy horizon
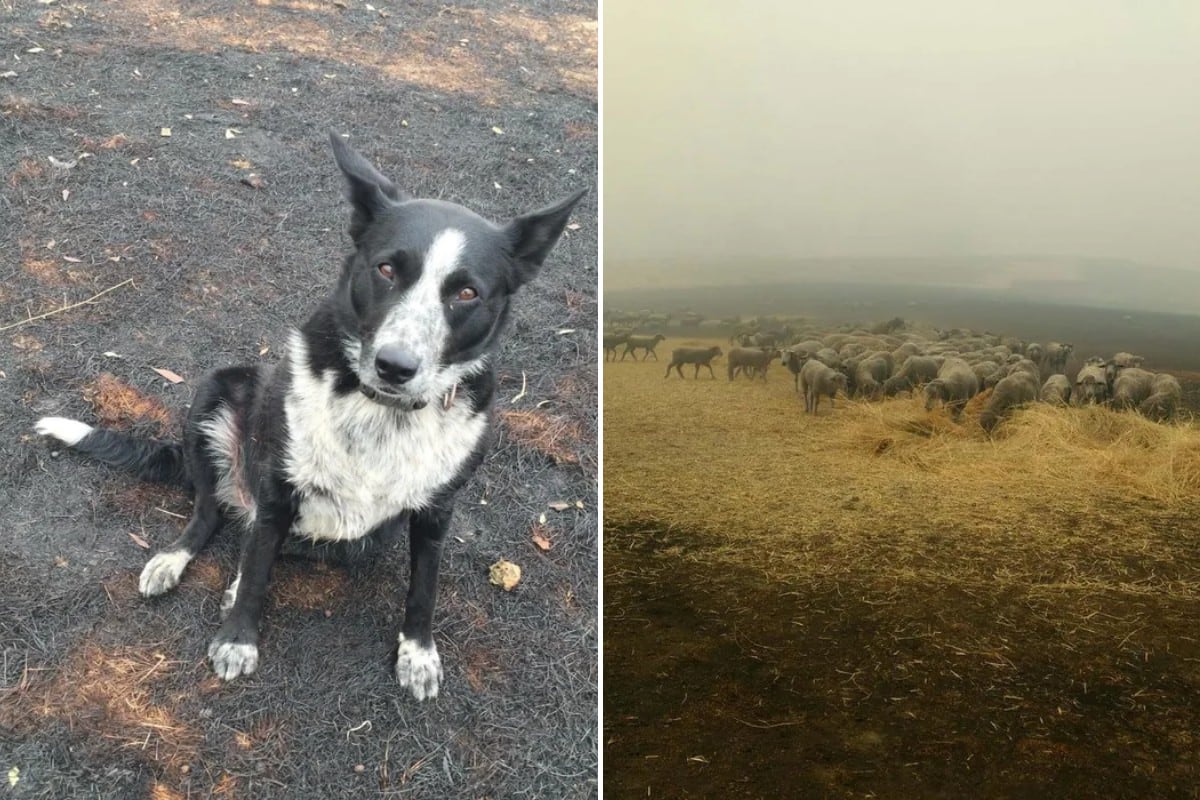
x: 877, y: 130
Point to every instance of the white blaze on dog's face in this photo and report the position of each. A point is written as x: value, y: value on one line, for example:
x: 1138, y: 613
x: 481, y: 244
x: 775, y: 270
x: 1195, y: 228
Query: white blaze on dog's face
x: 427, y: 289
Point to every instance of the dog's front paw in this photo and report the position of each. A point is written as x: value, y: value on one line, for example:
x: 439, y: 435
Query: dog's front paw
x: 162, y: 572
x: 231, y: 659
x: 418, y: 668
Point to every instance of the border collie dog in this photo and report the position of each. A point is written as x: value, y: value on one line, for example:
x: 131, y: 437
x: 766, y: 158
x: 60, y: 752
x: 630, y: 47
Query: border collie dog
x: 375, y: 417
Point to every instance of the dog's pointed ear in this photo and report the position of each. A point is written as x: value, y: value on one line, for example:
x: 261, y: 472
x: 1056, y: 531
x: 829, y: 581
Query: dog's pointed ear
x: 532, y: 236
x: 369, y: 191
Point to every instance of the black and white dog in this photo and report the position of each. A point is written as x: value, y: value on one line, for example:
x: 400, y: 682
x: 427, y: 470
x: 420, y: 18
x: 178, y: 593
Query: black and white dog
x: 376, y: 416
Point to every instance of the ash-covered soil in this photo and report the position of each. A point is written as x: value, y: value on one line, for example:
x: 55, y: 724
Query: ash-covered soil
x: 133, y: 250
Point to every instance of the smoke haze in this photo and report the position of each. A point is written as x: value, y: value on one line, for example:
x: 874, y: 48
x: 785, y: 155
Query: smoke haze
x: 738, y: 142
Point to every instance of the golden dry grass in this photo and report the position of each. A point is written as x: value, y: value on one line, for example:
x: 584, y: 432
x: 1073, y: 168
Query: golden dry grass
x: 1057, y: 499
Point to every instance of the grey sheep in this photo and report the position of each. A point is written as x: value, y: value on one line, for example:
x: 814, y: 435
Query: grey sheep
x: 817, y: 380
x: 1165, y: 396
x: 1034, y: 352
x: 1055, y: 356
x: 1013, y: 391
x: 1132, y: 387
x: 1117, y: 364
x: 751, y: 361
x: 795, y: 359
x: 611, y: 342
x: 869, y: 376
x: 696, y: 356
x: 647, y: 343
x: 955, y: 384
x: 1057, y: 390
x: 1091, y: 385
x: 989, y: 373
x: 915, y: 372
x: 1029, y: 366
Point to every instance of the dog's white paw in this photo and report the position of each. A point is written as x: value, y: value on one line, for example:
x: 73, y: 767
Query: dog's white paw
x: 67, y: 431
x: 162, y: 573
x: 230, y: 659
x: 418, y: 668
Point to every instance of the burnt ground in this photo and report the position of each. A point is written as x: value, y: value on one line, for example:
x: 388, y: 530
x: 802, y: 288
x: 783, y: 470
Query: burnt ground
x: 717, y: 682
x: 201, y: 265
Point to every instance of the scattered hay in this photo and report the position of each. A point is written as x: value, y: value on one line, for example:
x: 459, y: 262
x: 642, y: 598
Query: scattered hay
x: 553, y: 436
x: 119, y: 405
x: 160, y: 791
x: 115, y: 696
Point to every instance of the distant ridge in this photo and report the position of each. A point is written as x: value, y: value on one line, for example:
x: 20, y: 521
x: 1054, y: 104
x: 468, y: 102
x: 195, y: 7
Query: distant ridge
x: 1090, y: 282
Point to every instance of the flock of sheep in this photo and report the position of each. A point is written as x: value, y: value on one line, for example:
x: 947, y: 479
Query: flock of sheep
x: 949, y: 369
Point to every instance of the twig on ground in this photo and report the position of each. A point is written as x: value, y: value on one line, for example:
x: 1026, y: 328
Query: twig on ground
x: 91, y: 299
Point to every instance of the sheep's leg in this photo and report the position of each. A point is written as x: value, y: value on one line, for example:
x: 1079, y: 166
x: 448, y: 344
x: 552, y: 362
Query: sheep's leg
x: 651, y: 352
x: 710, y: 371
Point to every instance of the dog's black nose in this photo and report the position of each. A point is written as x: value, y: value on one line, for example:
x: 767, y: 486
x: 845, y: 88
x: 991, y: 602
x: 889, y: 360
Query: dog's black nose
x: 395, y: 365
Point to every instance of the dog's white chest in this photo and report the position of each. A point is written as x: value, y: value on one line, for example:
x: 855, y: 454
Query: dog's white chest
x: 356, y: 463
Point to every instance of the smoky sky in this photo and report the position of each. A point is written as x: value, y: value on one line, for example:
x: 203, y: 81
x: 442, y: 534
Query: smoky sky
x: 780, y: 128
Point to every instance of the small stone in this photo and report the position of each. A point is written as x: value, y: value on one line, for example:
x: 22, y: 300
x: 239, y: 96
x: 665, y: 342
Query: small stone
x: 360, y: 768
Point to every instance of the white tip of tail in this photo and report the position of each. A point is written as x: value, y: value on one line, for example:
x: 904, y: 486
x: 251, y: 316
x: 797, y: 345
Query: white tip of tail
x: 67, y: 431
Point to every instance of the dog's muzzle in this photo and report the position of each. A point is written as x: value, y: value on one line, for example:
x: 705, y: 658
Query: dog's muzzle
x: 391, y: 400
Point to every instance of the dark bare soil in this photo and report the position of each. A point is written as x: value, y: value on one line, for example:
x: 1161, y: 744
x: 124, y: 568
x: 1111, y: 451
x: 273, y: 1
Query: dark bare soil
x: 201, y: 265
x: 720, y: 684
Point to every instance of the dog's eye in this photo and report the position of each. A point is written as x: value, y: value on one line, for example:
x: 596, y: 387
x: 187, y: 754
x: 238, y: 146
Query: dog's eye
x: 466, y: 294
x: 386, y: 270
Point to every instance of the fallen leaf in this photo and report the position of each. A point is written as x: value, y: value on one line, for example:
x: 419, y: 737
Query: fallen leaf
x: 54, y: 162
x: 111, y: 354
x: 541, y: 541
x: 264, y: 350
x: 504, y: 574
x: 497, y: 131
x: 240, y: 163
x: 36, y: 50
x: 560, y: 506
x: 173, y: 377
x: 73, y: 259
x: 253, y: 181
x: 237, y: 101
x: 66, y: 193
x: 542, y: 519
x: 574, y: 226
x: 139, y: 541
x: 164, y: 132
x: 579, y: 504
x: 59, y: 561
x: 14, y: 775
x: 496, y: 184
x: 565, y: 331
x: 231, y: 133
x: 8, y: 74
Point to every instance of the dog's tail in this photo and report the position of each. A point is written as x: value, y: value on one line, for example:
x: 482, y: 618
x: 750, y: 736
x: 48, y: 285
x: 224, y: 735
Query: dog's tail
x: 149, y: 459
